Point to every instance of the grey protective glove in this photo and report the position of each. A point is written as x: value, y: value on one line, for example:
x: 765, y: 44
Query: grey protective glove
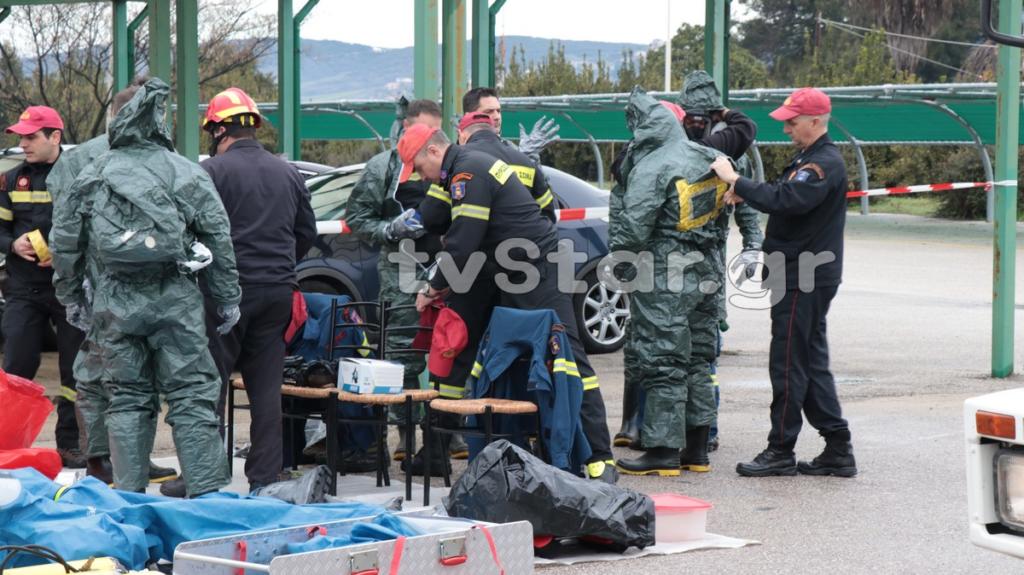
x: 544, y: 131
x: 407, y: 225
x: 229, y: 315
x: 200, y: 256
x: 746, y: 261
x: 79, y: 315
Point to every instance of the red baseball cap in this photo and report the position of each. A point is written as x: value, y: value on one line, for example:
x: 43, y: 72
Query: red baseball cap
x: 412, y: 141
x: 676, y: 110
x: 35, y: 118
x: 474, y: 118
x: 803, y: 102
x: 449, y: 339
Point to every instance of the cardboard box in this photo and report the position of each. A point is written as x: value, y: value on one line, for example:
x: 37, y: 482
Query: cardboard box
x: 361, y: 375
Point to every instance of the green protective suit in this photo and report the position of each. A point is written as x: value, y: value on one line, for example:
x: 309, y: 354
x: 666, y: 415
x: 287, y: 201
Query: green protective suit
x: 371, y: 207
x: 665, y: 208
x: 147, y: 317
x: 748, y: 220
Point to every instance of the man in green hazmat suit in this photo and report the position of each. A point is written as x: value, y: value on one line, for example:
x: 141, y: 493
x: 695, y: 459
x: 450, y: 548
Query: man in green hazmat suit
x: 135, y: 226
x: 660, y: 212
x: 384, y: 212
x: 91, y: 401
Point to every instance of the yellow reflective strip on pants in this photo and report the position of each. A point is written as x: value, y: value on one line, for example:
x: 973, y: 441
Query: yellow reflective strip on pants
x: 472, y: 211
x: 6, y: 215
x: 477, y: 368
x: 451, y: 391
x: 545, y: 199
x: 68, y: 393
x: 439, y: 194
x: 590, y: 383
x: 525, y: 174
x: 31, y: 197
x: 366, y: 348
x: 60, y: 492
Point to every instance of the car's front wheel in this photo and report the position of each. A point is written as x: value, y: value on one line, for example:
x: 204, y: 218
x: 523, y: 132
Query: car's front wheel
x: 602, y: 315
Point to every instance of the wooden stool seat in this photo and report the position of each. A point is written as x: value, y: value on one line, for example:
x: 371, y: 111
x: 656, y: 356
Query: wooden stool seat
x: 479, y: 406
x: 417, y: 395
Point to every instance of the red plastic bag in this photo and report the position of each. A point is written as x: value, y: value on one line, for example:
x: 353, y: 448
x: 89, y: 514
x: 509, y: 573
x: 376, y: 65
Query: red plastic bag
x: 44, y: 460
x: 23, y: 411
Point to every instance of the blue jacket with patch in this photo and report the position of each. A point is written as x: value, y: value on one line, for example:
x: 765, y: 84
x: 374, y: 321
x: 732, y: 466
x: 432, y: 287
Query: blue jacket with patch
x: 528, y: 357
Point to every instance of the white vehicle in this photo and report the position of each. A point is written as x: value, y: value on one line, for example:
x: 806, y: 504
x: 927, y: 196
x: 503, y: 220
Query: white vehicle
x: 994, y: 433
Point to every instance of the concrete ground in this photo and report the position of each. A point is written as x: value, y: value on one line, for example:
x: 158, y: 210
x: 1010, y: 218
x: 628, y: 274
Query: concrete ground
x: 910, y: 340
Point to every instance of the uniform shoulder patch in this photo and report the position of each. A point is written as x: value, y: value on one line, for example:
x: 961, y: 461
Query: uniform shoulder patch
x: 500, y: 171
x: 23, y: 183
x: 555, y: 346
x: 458, y: 190
x: 804, y: 173
x: 462, y: 176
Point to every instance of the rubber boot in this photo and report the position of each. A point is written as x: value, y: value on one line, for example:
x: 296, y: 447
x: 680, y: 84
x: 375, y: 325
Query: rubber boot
x: 100, y: 468
x: 173, y: 488
x: 312, y: 487
x: 661, y: 461
x: 629, y: 431
x: 837, y: 458
x: 457, y: 447
x: 159, y: 474
x: 695, y: 456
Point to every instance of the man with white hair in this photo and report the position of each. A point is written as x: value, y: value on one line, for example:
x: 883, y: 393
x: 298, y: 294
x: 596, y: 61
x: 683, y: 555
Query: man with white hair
x: 807, y: 208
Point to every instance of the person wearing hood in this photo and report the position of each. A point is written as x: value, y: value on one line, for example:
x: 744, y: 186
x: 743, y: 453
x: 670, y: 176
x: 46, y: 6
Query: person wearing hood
x: 91, y: 401
x: 384, y: 211
x: 135, y: 227
x: 661, y: 205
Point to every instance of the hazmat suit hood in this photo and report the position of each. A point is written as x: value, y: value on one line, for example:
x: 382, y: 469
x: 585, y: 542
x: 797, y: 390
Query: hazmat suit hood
x: 700, y: 95
x: 142, y: 121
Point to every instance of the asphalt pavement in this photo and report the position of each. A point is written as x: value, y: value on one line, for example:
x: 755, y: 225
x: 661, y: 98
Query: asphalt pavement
x: 910, y: 336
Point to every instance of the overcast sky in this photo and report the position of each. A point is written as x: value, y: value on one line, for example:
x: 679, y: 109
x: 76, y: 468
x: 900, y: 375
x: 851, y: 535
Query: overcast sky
x: 389, y: 23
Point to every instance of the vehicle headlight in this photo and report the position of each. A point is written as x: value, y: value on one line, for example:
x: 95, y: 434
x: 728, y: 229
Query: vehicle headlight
x: 1010, y: 487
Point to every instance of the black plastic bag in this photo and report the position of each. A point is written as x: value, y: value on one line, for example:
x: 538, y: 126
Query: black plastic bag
x: 505, y: 483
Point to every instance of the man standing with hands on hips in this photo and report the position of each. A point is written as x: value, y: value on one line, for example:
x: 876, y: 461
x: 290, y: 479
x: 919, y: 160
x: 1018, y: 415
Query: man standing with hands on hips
x: 807, y: 208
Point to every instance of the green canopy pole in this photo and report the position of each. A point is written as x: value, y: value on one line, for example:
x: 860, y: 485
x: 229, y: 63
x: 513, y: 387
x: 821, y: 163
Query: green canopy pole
x: 425, y: 83
x: 187, y: 81
x: 483, y: 70
x: 716, y: 44
x: 160, y: 40
x: 1005, y: 191
x: 286, y: 137
x: 453, y: 55
x: 297, y: 86
x: 133, y: 27
x: 122, y: 62
x: 492, y: 18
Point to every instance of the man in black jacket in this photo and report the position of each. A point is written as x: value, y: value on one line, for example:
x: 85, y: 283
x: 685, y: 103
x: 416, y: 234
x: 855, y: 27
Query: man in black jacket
x: 272, y: 227
x: 807, y: 208
x: 26, y: 214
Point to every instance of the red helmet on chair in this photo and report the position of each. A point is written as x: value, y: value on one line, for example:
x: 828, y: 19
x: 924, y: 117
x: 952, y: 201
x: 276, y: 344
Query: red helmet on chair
x: 232, y: 106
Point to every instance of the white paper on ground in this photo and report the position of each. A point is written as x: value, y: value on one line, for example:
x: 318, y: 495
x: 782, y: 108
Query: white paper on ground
x: 573, y: 554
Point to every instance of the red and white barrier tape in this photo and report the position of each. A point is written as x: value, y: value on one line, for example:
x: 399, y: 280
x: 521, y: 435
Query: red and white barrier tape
x: 335, y: 227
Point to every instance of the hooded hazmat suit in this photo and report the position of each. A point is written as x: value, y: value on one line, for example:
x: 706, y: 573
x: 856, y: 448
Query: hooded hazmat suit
x: 663, y: 206
x: 125, y: 223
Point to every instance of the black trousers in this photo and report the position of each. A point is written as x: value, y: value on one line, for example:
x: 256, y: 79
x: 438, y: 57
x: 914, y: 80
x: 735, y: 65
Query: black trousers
x: 256, y: 348
x: 29, y: 311
x: 475, y: 308
x: 798, y: 365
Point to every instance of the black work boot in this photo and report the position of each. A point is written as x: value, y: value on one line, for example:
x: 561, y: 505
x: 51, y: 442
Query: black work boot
x: 174, y: 488
x: 661, y: 461
x: 695, y: 456
x: 159, y: 474
x: 771, y: 461
x: 72, y: 458
x: 100, y: 468
x: 837, y: 458
x: 629, y: 432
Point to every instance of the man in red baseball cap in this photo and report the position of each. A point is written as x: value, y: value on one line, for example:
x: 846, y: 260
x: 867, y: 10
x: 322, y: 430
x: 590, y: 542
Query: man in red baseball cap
x: 26, y: 214
x: 807, y: 209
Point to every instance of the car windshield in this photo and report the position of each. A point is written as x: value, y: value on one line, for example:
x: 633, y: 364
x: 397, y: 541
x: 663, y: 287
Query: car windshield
x: 330, y: 193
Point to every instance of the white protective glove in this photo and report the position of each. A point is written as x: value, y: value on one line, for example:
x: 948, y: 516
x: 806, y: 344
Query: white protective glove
x: 229, y: 314
x: 200, y: 256
x: 747, y: 262
x: 405, y: 225
x: 544, y: 132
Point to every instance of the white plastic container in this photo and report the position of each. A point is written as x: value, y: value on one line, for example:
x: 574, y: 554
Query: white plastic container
x: 361, y: 375
x: 679, y: 518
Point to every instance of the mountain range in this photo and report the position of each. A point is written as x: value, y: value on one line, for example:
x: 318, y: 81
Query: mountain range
x: 333, y: 70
